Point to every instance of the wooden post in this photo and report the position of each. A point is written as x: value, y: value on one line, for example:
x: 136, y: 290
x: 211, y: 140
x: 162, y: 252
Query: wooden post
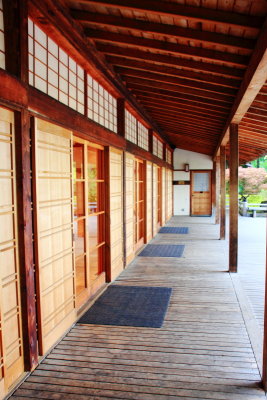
x: 27, y: 279
x: 233, y: 232
x: 121, y: 116
x: 264, y: 361
x: 16, y: 56
x: 222, y: 192
x: 217, y: 190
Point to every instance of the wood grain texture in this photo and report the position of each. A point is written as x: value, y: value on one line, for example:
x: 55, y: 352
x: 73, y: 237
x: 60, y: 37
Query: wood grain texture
x: 202, y: 351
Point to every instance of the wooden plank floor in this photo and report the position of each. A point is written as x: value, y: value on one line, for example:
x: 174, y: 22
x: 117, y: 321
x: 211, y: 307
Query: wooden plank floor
x: 202, y: 351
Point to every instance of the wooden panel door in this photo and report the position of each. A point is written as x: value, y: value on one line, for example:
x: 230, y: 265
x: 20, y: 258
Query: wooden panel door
x: 129, y: 207
x: 159, y: 193
x: 139, y: 204
x: 11, y: 348
x: 163, y: 197
x: 89, y: 217
x: 201, y: 193
x: 54, y: 231
x: 155, y: 199
x: 169, y: 199
x: 116, y: 212
x: 149, y: 199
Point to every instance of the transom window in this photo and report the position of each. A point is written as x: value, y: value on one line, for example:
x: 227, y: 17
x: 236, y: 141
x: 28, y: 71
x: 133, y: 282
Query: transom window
x: 130, y: 127
x: 53, y: 71
x: 101, y: 105
x: 157, y: 147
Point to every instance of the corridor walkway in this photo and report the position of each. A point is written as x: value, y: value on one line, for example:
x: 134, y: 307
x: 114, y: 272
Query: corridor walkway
x: 202, y: 351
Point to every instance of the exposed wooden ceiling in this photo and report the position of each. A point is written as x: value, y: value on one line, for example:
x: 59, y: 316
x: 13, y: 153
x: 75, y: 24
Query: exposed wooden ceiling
x: 184, y: 61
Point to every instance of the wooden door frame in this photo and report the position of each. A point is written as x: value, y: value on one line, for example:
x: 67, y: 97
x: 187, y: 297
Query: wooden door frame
x: 191, y: 187
x: 138, y: 244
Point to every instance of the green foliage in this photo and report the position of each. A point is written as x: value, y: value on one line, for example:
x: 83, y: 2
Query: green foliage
x: 260, y: 163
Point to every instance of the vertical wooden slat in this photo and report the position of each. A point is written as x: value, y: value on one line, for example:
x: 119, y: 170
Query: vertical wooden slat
x: 222, y: 192
x: 233, y: 233
x: 24, y: 198
x: 264, y: 360
x: 107, y: 214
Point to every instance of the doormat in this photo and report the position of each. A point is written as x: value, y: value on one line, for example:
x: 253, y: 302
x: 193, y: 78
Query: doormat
x: 138, y: 306
x: 162, y: 250
x: 173, y: 229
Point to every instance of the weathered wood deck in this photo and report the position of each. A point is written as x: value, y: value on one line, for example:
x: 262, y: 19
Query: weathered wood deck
x: 202, y: 351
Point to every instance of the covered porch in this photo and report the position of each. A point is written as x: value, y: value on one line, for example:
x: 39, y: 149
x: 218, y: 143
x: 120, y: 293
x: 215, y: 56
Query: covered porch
x: 202, y: 351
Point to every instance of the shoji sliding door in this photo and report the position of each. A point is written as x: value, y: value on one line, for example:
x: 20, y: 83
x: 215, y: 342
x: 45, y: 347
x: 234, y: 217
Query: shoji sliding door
x: 116, y: 211
x: 11, y: 348
x: 155, y: 199
x: 129, y: 206
x: 52, y: 172
x: 163, y: 197
x: 149, y: 199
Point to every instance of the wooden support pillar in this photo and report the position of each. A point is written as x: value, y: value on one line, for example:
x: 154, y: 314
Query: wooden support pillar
x: 233, y: 231
x: 27, y: 279
x: 222, y: 192
x: 217, y: 190
x: 107, y: 212
x: 121, y: 116
x: 264, y: 360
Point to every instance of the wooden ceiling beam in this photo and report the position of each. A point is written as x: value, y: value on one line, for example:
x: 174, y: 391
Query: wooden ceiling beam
x: 192, y: 127
x: 182, y: 116
x: 221, y: 98
x: 183, y: 11
x: 182, y: 104
x: 175, y: 108
x: 254, y: 79
x: 123, y: 71
x: 171, y: 31
x: 221, y: 70
x: 174, y: 95
x: 145, y: 65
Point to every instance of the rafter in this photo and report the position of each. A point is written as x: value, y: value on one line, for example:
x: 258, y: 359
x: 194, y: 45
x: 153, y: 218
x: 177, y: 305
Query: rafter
x: 145, y: 65
x: 174, y: 107
x: 173, y: 88
x: 174, y: 80
x: 171, y: 31
x: 183, y: 11
x: 144, y: 89
x: 192, y: 105
x: 254, y: 79
x: 221, y: 70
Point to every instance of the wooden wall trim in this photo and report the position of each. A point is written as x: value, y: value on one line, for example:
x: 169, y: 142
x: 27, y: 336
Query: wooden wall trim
x: 233, y: 231
x: 25, y: 231
x: 13, y: 93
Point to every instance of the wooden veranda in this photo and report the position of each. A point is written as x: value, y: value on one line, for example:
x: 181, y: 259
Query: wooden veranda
x: 110, y: 111
x: 202, y: 351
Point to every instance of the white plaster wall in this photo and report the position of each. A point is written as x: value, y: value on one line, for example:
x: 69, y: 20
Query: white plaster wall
x: 181, y: 201
x: 181, y: 176
x: 195, y: 160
